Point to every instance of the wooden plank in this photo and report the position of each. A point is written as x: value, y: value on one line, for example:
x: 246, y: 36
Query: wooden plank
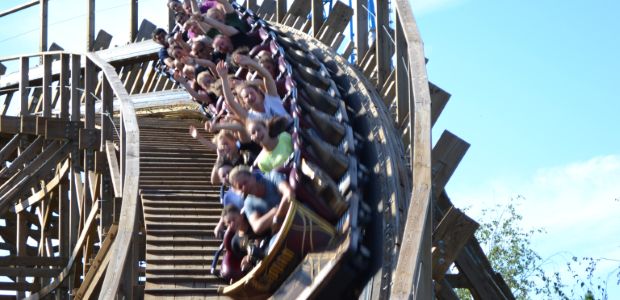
x: 43, y: 20
x: 102, y: 41
x: 90, y: 25
x: 63, y: 84
x: 444, y: 290
x: 49, y: 186
x: 24, y: 157
x: 457, y: 281
x: 98, y: 267
x: 145, y: 31
x: 75, y: 92
x: 133, y: 20
x: 439, y: 99
x: 9, y: 148
x: 336, y: 22
x: 403, y: 84
x: 281, y: 9
x: 18, y: 8
x: 47, y: 85
x: 114, y: 168
x: 16, y: 286
x: 90, y: 80
x: 130, y: 171
x: 383, y: 55
x: 317, y: 16
x: 77, y: 250
x: 30, y: 175
x: 414, y: 262
x: 447, y: 154
x: 23, y: 85
x: 7, y: 101
x: 361, y: 28
x: 449, y: 238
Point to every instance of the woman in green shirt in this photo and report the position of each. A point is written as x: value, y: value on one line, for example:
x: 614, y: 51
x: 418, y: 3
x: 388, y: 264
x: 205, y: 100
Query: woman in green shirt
x: 277, y: 144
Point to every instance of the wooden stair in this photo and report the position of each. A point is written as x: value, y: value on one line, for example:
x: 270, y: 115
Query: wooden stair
x: 181, y: 209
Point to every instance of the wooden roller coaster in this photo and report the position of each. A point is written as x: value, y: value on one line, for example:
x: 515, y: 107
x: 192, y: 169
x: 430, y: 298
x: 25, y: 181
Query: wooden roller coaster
x: 104, y: 194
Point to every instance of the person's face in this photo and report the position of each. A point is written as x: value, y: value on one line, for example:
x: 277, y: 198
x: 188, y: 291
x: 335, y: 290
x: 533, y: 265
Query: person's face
x: 226, y: 146
x: 161, y: 38
x: 199, y: 50
x: 244, y: 183
x: 251, y: 98
x: 188, y: 73
x: 257, y: 131
x: 217, y: 14
x: 175, y: 6
x: 232, y: 219
x: 222, y: 44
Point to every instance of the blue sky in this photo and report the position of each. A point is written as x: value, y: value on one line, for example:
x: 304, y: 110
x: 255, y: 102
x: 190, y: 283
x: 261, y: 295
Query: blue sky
x: 533, y: 86
x: 534, y: 90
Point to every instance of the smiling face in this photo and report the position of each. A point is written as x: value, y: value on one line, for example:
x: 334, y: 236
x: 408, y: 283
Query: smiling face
x: 257, y: 131
x: 226, y: 146
x: 252, y: 98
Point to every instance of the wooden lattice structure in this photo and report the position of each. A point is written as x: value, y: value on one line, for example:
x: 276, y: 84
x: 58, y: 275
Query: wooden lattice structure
x: 92, y: 146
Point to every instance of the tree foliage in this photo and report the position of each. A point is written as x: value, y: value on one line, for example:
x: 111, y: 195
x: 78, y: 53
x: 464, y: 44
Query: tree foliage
x: 508, y: 247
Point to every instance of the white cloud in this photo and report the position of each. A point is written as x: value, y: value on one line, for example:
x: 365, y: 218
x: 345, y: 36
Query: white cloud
x: 421, y: 7
x: 577, y: 204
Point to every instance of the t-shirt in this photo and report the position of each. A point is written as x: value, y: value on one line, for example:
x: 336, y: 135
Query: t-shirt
x: 163, y: 54
x: 241, y: 39
x: 231, y: 197
x: 261, y: 205
x: 273, y: 108
x: 269, y: 160
x: 232, y: 19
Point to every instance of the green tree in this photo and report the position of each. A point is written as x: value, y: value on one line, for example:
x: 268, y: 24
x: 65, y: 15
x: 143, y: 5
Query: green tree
x: 509, y: 249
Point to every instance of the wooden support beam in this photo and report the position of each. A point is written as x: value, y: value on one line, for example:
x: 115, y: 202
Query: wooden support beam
x: 63, y: 84
x: 25, y: 157
x: 77, y: 250
x: 403, y: 82
x: 98, y: 267
x: 457, y: 281
x: 23, y: 84
x: 76, y: 72
x: 383, y: 54
x: 280, y: 10
x: 90, y: 25
x: 336, y: 23
x: 49, y: 186
x: 444, y: 290
x: 439, y: 99
x: 18, y: 8
x: 361, y: 28
x: 114, y: 168
x: 47, y: 84
x: 133, y: 19
x: 44, y: 21
x: 449, y: 238
x: 102, y: 41
x: 447, y: 154
x: 317, y: 16
x: 9, y: 148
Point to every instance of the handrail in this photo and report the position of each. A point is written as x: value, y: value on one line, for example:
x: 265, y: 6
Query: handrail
x: 130, y: 172
x: 414, y: 259
x: 112, y: 87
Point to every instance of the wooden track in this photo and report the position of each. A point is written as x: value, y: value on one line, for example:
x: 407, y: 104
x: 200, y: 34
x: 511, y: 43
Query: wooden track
x: 181, y: 209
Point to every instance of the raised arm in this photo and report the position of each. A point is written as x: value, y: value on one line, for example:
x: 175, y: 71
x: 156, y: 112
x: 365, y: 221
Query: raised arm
x: 221, y: 27
x: 233, y: 126
x: 183, y: 82
x: 233, y: 105
x: 228, y: 8
x: 268, y: 81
